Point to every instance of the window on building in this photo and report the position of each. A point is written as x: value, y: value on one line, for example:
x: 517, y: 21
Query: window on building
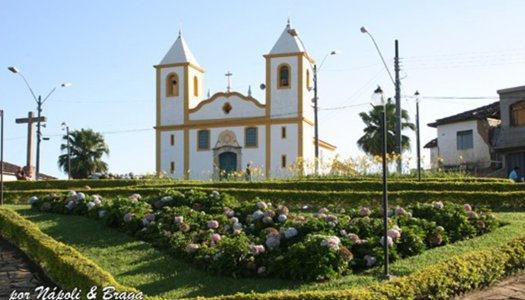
x: 284, y: 76
x: 172, y: 139
x: 172, y: 85
x: 172, y: 167
x: 195, y: 86
x: 283, y: 132
x: 283, y: 161
x: 250, y: 137
x: 308, y: 82
x: 203, y: 140
x: 465, y: 140
x: 517, y: 114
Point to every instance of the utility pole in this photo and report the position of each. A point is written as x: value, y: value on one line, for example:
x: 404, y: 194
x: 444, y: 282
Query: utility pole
x: 316, y: 123
x: 2, y: 158
x: 398, y: 110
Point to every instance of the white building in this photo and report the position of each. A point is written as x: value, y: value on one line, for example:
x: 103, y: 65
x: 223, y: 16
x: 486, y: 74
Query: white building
x: 464, y: 141
x: 197, y: 137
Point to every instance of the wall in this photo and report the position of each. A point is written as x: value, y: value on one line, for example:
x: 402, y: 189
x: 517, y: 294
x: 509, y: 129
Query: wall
x: 284, y: 101
x: 175, y: 153
x: 447, y: 143
x: 241, y: 108
x: 172, y: 108
x: 281, y: 147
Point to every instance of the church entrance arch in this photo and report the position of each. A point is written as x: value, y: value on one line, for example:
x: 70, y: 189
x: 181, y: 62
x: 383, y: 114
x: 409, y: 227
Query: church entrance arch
x: 227, y: 155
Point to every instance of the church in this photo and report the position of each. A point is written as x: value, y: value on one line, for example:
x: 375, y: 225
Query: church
x: 205, y: 138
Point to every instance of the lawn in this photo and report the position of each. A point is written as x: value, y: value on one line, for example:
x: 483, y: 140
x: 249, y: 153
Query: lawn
x: 136, y: 263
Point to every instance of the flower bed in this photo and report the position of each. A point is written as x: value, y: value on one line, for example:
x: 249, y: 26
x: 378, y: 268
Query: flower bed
x: 218, y: 233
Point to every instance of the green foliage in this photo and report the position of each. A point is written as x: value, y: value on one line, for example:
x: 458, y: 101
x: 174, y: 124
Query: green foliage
x: 371, y: 141
x: 86, y: 150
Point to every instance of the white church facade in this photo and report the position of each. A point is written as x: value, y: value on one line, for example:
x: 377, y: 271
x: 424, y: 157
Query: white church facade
x: 200, y: 137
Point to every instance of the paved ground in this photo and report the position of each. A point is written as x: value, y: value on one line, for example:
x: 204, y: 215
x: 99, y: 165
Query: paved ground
x: 17, y: 272
x: 511, y: 288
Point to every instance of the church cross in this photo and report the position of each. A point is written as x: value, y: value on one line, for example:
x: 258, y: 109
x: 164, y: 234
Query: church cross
x: 30, y: 121
x: 229, y: 75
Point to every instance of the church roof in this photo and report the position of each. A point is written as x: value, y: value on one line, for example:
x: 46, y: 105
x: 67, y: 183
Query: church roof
x: 288, y: 42
x: 179, y: 53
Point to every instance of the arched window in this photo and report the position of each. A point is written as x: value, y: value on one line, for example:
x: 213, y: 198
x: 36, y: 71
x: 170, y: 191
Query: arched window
x: 308, y: 82
x: 172, y: 85
x: 284, y: 76
x: 195, y: 86
x: 517, y: 114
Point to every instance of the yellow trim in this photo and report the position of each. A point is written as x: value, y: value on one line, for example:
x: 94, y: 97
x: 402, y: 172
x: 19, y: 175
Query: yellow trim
x: 256, y: 137
x: 326, y: 145
x: 198, y: 140
x: 157, y: 127
x: 186, y: 154
x: 234, y: 122
x: 300, y: 54
x: 268, y: 150
x: 172, y: 92
x: 311, y: 123
x: 226, y: 95
x: 186, y: 64
x: 280, y: 86
x: 300, y: 89
x: 186, y: 94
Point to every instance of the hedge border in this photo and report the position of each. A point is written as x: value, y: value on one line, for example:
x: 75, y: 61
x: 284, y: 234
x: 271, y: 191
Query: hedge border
x: 451, y: 277
x: 496, y: 200
x: 62, y: 263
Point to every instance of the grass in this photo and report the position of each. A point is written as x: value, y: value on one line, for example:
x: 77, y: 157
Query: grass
x: 136, y: 263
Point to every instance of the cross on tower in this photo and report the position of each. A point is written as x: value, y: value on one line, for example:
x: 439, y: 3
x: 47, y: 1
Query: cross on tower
x: 30, y: 121
x: 229, y: 75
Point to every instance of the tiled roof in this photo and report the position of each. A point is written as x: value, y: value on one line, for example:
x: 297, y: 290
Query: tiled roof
x: 483, y: 112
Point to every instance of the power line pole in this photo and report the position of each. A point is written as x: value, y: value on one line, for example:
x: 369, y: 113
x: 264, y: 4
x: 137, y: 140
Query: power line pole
x: 398, y: 109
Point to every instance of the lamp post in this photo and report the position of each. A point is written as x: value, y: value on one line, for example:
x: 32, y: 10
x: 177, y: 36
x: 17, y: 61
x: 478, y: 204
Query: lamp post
x: 379, y: 100
x: 418, y: 139
x: 66, y: 127
x: 316, y: 109
x: 397, y: 85
x: 39, y: 102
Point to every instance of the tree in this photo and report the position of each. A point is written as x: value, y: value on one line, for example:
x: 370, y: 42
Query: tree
x: 87, y: 149
x: 371, y: 141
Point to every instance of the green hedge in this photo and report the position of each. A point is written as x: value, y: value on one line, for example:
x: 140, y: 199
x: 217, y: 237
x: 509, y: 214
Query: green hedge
x: 444, y: 280
x: 66, y: 266
x: 497, y: 200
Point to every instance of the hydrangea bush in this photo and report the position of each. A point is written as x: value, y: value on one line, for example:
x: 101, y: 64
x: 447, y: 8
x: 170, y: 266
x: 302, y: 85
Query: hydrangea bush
x: 256, y: 238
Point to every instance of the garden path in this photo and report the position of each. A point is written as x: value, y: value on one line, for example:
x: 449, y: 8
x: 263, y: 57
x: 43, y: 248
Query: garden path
x: 17, y: 272
x: 510, y: 288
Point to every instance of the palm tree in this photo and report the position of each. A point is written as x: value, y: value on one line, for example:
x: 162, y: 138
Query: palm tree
x: 87, y: 149
x: 371, y: 142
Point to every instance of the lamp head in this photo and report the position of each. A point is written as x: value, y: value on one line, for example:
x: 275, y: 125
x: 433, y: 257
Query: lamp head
x: 363, y: 30
x: 66, y: 84
x: 13, y: 69
x: 334, y: 52
x: 418, y: 96
x: 377, y: 97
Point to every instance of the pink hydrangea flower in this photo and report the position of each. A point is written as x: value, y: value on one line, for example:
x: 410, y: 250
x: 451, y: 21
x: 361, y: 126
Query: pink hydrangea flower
x: 467, y: 207
x: 236, y: 231
x: 150, y: 217
x: 234, y: 220
x: 213, y: 224
x: 438, y: 205
x: 389, y: 241
x: 400, y: 211
x: 179, y: 219
x: 370, y: 260
x: 323, y: 210
x: 394, y: 234
x: 365, y: 211
x: 256, y: 249
x: 216, y: 237
x: 332, y: 242
x: 273, y: 240
x: 128, y: 217
x: 192, y: 248
x: 229, y: 212
x: 261, y: 270
x: 262, y: 205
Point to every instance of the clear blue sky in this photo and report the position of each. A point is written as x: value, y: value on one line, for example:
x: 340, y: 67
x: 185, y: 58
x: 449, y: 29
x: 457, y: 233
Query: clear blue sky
x: 106, y: 49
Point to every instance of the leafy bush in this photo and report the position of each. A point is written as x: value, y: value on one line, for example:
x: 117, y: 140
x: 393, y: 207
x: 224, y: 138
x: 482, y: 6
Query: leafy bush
x: 256, y: 238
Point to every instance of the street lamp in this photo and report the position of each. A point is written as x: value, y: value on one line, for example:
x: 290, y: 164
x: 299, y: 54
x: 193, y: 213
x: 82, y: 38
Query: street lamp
x: 397, y: 85
x: 66, y: 127
x: 378, y: 100
x: 418, y: 99
x: 2, y: 158
x: 316, y: 109
x: 39, y: 103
